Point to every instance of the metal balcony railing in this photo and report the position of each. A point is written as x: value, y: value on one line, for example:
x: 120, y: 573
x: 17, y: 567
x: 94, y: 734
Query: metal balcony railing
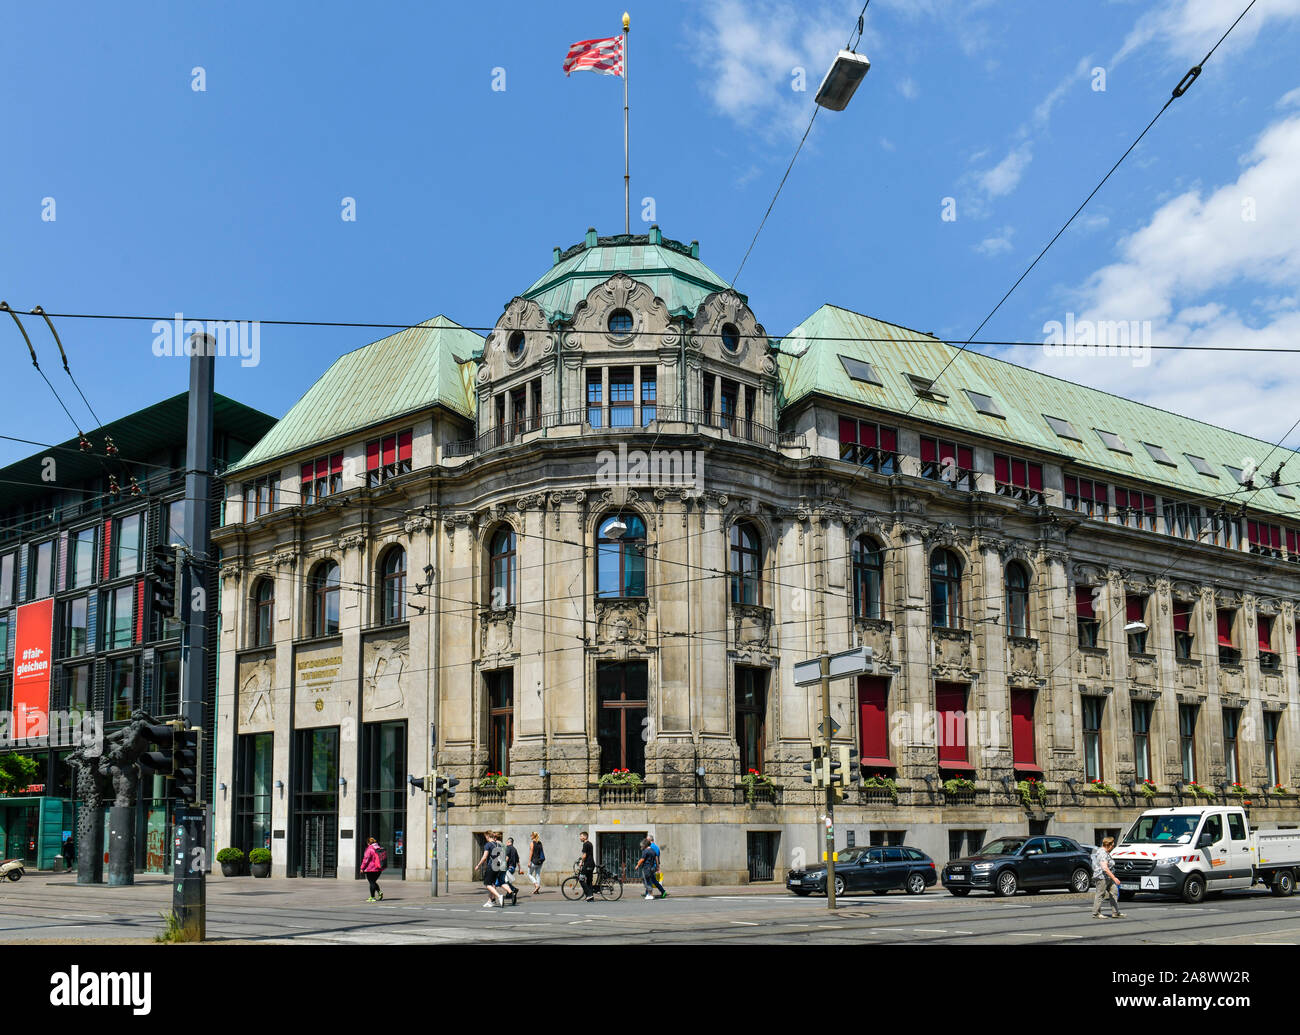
x: 616, y: 418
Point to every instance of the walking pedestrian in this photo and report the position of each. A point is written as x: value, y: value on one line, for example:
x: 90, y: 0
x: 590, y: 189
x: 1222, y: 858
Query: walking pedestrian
x: 372, y: 865
x: 512, y: 870
x: 536, y: 856
x: 490, y: 875
x: 648, y: 865
x: 587, y: 866
x: 1104, y: 880
x: 659, y: 865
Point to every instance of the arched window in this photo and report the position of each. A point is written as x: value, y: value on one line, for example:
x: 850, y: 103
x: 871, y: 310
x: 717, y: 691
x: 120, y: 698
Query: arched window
x: 324, y: 587
x: 868, y: 568
x: 945, y: 589
x: 264, y: 609
x: 620, y: 556
x: 502, y: 569
x: 392, y: 591
x: 746, y: 564
x: 1017, y: 600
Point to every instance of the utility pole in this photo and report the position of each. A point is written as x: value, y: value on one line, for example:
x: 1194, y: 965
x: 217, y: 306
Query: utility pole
x: 190, y: 841
x: 830, y: 790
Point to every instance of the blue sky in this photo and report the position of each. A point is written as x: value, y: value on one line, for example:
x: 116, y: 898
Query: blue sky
x: 227, y: 202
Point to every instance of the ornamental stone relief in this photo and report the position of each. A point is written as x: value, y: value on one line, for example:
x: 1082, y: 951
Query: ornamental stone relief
x: 951, y: 658
x: 649, y: 313
x: 752, y: 626
x: 496, y: 631
x: 383, y: 674
x: 256, y: 682
x: 622, y: 621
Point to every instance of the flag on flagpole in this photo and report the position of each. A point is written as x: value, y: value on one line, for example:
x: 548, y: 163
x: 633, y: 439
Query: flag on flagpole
x: 603, y: 56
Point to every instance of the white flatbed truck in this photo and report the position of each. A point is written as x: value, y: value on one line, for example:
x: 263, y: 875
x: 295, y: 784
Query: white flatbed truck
x: 1195, y: 850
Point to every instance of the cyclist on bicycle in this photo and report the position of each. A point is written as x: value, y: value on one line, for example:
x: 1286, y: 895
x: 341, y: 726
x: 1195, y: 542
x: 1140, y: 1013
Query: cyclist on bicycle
x: 587, y: 866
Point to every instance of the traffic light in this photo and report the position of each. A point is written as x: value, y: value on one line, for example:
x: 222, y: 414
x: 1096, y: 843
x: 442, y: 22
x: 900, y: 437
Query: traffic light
x: 188, y: 772
x: 816, y: 768
x: 163, y: 579
x: 417, y: 783
x: 445, y: 788
x: 849, y: 772
x: 163, y: 761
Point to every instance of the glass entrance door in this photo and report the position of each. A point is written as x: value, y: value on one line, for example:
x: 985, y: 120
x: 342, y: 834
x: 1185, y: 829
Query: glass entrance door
x: 316, y: 802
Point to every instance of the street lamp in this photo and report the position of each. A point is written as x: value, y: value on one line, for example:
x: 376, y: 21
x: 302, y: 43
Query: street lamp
x: 615, y: 529
x: 846, y: 72
x: 1136, y: 627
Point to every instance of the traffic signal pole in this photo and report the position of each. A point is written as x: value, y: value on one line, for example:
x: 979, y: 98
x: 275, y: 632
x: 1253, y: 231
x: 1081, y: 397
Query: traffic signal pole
x: 830, y: 790
x: 190, y: 839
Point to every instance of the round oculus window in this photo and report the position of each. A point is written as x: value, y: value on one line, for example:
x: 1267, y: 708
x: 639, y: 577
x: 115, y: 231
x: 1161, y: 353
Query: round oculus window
x: 730, y: 337
x: 516, y: 344
x: 620, y: 322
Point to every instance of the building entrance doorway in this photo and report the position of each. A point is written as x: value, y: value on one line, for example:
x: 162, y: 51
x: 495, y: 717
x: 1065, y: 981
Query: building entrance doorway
x: 316, y: 803
x: 19, y: 832
x: 619, y: 853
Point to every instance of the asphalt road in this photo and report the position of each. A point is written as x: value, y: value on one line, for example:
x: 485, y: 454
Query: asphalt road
x: 244, y: 910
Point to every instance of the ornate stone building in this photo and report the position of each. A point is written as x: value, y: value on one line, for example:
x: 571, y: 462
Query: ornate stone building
x: 600, y: 539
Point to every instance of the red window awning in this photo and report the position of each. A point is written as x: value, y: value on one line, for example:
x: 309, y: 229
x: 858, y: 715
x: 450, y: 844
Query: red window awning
x: 1002, y: 469
x: 1225, y: 629
x: 929, y: 450
x: 1027, y: 767
x: 1083, y: 601
x: 372, y: 455
x: 955, y: 765
x: 1022, y: 727
x: 848, y: 430
x: 1134, y: 606
x: 889, y: 440
x: 1182, y: 621
x: 873, y: 720
x: 1036, y: 477
x: 1265, y: 634
x: 950, y: 703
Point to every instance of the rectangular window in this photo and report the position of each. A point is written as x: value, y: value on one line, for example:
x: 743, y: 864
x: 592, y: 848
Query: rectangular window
x: 518, y: 411
x: 1269, y: 659
x: 167, y: 683
x: 1062, y: 427
x: 390, y: 456
x: 1271, y: 723
x: 1187, y: 739
x: 73, y: 639
x: 1087, y: 496
x: 40, y: 570
x: 1017, y: 478
x: 321, y: 478
x: 127, y: 545
x: 117, y: 612
x: 727, y: 405
x: 261, y: 496
x: 1231, y: 723
x: 860, y: 371
x: 984, y: 404
x: 1092, y: 712
x: 1135, y: 509
x: 1292, y: 545
x: 948, y: 461
x: 870, y: 445
x: 621, y: 702
x: 950, y: 705
x: 751, y: 716
x: 1201, y: 464
x: 1159, y: 455
x: 1224, y: 529
x: 595, y: 405
x: 1086, y: 619
x: 1264, y: 539
x: 384, y: 791
x: 622, y: 387
x: 174, y: 522
x: 501, y: 718
x: 880, y: 838
x: 1142, y: 739
x: 1135, y: 613
x: 77, y: 682
x: 253, y: 791
x: 121, y: 688
x: 8, y: 570
x: 1112, y: 441
x: 536, y: 390
x: 1183, y: 520
x: 81, y: 558
x: 648, y: 397
x: 1024, y: 755
x: 873, y: 723
x: 1183, y: 629
x: 1229, y: 652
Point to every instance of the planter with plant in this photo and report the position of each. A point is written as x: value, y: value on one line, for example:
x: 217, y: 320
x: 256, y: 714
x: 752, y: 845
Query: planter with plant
x: 1031, y: 792
x: 259, y: 861
x: 1147, y: 789
x: 1236, y: 790
x: 619, y: 778
x: 753, y: 780
x: 1101, y: 787
x: 1195, y: 790
x: 958, y: 785
x: 881, y: 782
x: 494, y: 782
x: 232, y: 862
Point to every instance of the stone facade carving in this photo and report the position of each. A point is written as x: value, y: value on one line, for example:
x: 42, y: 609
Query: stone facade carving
x: 383, y: 675
x: 256, y: 697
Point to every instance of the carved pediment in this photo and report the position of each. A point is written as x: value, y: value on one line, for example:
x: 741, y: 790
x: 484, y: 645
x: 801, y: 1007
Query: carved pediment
x: 591, y: 316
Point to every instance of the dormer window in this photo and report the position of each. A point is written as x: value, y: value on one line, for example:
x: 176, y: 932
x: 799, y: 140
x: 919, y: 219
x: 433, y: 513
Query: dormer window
x: 924, y: 388
x: 1062, y: 427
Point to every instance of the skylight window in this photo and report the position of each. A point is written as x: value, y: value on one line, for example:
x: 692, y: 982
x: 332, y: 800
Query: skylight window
x: 1159, y: 455
x: 1201, y: 465
x: 1113, y: 441
x: 1238, y: 475
x: 1062, y: 427
x: 1284, y: 491
x: 924, y: 387
x: 985, y: 404
x: 860, y: 370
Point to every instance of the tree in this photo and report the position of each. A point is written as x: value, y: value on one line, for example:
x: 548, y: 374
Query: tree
x: 16, y: 772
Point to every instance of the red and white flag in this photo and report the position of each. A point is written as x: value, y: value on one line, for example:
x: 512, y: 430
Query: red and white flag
x: 603, y: 56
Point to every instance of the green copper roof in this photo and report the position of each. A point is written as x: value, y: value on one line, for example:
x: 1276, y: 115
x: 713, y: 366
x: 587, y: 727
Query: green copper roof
x: 1026, y: 397
x: 670, y: 269
x: 409, y: 371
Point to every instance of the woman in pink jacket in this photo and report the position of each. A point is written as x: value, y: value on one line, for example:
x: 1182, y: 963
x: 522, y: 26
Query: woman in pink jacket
x: 372, y: 864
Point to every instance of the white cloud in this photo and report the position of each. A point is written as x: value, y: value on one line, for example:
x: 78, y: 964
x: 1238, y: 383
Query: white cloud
x: 1187, y: 29
x: 991, y: 246
x: 907, y: 87
x: 1003, y: 177
x: 751, y: 52
x: 1290, y: 99
x: 1204, y: 275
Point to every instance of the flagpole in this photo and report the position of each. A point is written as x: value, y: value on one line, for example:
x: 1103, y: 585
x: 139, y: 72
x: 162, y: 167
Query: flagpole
x: 627, y: 197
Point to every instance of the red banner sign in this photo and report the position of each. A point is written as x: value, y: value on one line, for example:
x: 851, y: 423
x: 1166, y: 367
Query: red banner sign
x: 32, y: 649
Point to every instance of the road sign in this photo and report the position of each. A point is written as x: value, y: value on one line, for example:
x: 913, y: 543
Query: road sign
x: 846, y: 663
x: 835, y: 728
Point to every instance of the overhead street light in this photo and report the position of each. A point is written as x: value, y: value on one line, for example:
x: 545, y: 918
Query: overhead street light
x: 846, y: 72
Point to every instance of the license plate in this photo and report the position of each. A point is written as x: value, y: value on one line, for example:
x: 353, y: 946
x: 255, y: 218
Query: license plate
x: 956, y: 876
x: 1129, y: 887
x: 795, y: 880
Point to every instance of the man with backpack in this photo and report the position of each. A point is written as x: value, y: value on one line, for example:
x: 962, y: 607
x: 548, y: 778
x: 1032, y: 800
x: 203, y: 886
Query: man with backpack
x: 512, y: 868
x: 373, y: 862
x: 493, y: 865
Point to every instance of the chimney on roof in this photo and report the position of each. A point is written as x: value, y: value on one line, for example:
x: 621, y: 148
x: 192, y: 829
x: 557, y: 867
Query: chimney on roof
x: 656, y: 235
x: 555, y: 256
x: 591, y: 237
x: 695, y: 249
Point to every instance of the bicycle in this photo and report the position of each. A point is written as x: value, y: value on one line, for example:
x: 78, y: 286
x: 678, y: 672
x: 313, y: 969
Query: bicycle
x: 609, y: 885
